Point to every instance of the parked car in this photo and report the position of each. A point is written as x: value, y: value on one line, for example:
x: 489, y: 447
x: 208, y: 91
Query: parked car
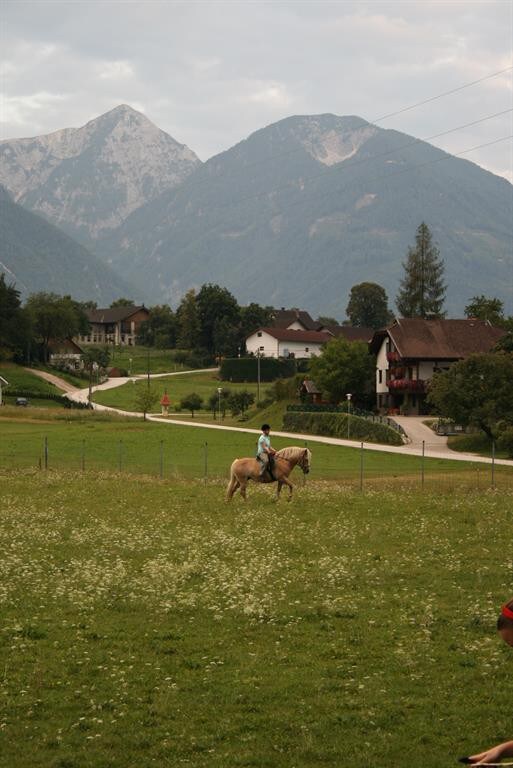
x: 22, y: 401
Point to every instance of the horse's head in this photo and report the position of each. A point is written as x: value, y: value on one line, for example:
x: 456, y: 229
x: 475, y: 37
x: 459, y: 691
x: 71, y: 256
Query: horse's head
x: 305, y: 461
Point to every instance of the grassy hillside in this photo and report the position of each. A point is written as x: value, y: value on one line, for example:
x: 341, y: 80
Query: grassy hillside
x: 146, y: 623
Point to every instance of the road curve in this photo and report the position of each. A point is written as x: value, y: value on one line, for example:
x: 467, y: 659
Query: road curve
x: 435, y: 446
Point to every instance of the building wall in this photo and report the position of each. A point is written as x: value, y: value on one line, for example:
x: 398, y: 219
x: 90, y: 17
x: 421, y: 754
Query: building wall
x: 264, y: 343
x: 300, y: 349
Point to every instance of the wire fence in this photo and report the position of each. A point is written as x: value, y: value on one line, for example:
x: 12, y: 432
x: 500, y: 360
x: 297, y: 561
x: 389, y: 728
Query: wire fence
x: 167, y: 460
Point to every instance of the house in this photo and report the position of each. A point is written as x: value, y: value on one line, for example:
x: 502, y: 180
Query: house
x: 411, y: 350
x: 65, y: 354
x: 294, y: 319
x: 349, y: 332
x: 119, y: 325
x: 284, y: 342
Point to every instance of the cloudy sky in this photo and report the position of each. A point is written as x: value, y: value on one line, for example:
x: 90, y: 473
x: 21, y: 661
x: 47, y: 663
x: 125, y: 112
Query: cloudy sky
x: 211, y: 73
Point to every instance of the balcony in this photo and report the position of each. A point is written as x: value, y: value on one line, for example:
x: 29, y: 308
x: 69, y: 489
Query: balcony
x: 407, y: 385
x: 393, y: 357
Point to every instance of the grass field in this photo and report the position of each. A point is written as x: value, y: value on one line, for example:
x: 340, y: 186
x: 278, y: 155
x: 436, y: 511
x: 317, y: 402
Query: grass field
x: 204, y: 384
x: 147, y: 623
x: 77, y: 439
x: 136, y: 359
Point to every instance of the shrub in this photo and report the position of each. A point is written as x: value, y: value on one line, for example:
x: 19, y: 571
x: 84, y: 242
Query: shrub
x: 335, y: 425
x: 505, y: 441
x: 245, y: 369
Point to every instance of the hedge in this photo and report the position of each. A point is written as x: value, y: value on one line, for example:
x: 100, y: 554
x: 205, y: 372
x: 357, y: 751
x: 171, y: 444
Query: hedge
x: 64, y: 401
x: 335, y: 425
x: 241, y: 369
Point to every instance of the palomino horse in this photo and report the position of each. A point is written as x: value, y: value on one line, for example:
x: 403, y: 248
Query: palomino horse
x: 243, y: 470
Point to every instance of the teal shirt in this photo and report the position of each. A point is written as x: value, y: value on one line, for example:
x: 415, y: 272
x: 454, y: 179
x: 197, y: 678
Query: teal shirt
x: 263, y: 442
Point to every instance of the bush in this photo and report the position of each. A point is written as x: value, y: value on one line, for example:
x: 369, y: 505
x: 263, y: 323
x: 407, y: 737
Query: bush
x: 245, y: 369
x: 505, y: 441
x: 335, y: 425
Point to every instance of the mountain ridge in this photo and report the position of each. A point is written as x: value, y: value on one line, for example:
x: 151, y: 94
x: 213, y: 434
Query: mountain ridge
x: 87, y: 180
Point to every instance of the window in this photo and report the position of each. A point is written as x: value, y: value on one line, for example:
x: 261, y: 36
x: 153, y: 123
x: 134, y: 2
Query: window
x: 259, y: 333
x: 307, y: 349
x: 261, y: 348
x: 380, y: 376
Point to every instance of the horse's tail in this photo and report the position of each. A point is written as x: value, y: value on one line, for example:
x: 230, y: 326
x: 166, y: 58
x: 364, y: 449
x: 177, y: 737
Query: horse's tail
x: 233, y: 484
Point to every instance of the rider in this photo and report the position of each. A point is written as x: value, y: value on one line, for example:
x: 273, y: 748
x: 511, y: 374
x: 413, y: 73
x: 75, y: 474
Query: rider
x: 264, y: 450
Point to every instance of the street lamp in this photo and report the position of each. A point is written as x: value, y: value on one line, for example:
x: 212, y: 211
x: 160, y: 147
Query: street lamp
x: 258, y: 375
x: 219, y: 393
x: 349, y: 396
x: 130, y: 366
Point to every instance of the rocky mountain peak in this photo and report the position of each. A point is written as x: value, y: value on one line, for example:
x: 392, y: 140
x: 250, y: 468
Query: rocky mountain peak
x: 89, y: 179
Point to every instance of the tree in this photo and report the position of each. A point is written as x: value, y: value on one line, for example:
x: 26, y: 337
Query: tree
x: 476, y: 391
x: 239, y: 401
x: 192, y: 402
x: 368, y: 306
x: 15, y: 326
x: 95, y: 359
x: 252, y: 317
x: 422, y: 289
x: 327, y: 320
x: 55, y: 317
x: 484, y: 308
x: 122, y: 302
x: 188, y: 322
x: 145, y: 399
x: 344, y: 367
x: 215, y: 304
x: 160, y: 329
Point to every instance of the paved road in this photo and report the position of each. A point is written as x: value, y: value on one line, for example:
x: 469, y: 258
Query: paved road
x: 435, y: 446
x: 56, y: 380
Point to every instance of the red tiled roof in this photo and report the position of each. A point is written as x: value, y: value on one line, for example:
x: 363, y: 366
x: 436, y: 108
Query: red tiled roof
x: 350, y: 332
x: 415, y: 338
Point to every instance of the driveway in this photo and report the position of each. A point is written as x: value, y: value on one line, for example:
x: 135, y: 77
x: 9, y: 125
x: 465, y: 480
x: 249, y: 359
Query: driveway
x: 435, y: 446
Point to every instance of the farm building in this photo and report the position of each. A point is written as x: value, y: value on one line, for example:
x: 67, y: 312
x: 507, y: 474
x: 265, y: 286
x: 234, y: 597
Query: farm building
x: 119, y: 325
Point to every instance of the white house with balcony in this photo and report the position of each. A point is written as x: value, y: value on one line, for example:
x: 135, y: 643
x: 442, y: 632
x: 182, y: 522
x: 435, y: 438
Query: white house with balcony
x: 286, y: 342
x: 411, y: 350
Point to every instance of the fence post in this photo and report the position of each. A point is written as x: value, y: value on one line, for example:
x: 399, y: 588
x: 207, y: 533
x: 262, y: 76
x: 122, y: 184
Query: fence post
x: 46, y: 453
x: 205, y: 454
x: 422, y: 464
x: 120, y: 456
x: 83, y: 455
x: 493, y: 464
x: 361, y: 466
x: 161, y: 459
x: 304, y: 476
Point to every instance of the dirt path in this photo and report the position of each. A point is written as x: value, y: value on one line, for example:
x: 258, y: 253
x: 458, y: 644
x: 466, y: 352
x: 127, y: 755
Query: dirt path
x: 56, y: 380
x: 434, y: 448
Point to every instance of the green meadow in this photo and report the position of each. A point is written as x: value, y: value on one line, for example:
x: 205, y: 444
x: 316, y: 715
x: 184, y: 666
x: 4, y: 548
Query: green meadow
x: 145, y: 622
x: 74, y: 440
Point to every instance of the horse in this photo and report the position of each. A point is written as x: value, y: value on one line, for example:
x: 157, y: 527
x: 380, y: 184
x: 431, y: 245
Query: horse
x: 243, y: 470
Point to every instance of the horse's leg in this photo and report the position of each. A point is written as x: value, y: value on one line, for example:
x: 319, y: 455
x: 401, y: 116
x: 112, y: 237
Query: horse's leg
x: 232, y: 487
x: 243, y: 486
x: 278, y: 491
x: 289, y: 485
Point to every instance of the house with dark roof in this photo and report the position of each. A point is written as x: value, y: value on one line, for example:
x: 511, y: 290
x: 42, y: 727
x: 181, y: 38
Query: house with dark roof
x: 349, y: 332
x: 119, y: 325
x: 294, y: 319
x: 411, y: 350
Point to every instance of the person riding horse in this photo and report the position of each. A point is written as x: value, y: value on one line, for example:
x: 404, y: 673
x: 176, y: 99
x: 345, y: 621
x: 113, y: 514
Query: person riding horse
x: 265, y: 452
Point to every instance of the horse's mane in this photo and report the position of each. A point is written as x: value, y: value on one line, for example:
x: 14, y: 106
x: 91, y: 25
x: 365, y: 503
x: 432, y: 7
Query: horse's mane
x: 291, y: 452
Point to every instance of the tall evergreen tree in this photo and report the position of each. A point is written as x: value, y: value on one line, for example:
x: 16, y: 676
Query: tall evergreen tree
x: 422, y: 289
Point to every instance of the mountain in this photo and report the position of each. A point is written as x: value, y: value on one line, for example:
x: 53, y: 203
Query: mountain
x: 307, y: 207
x: 37, y: 256
x: 88, y: 180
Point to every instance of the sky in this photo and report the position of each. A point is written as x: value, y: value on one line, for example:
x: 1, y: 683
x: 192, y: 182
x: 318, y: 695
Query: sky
x: 212, y: 73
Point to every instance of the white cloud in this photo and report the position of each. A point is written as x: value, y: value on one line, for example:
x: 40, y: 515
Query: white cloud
x: 115, y: 70
x: 269, y: 94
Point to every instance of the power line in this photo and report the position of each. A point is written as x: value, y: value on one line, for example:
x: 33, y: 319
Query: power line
x: 373, y: 122
x: 340, y: 168
x: 441, y: 95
